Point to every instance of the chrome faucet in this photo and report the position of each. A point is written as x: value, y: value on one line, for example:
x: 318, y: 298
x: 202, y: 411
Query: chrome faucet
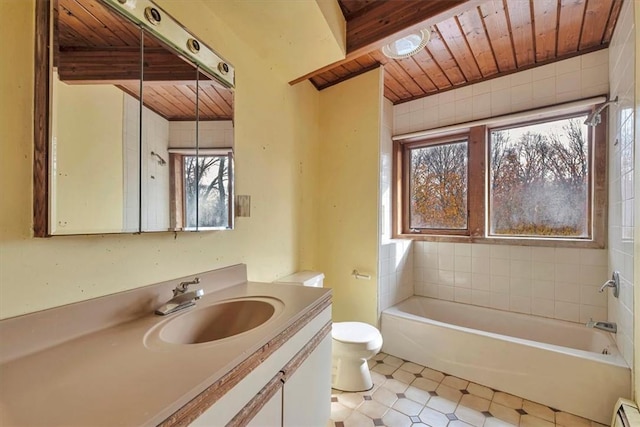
x: 614, y: 283
x: 604, y: 326
x: 181, y: 298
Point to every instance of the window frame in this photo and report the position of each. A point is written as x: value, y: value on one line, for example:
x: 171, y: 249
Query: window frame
x: 590, y: 160
x: 177, y: 189
x: 406, y: 161
x: 478, y: 188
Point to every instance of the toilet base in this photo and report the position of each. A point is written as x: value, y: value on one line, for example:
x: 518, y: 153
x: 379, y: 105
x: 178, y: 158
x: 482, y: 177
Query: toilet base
x: 351, y: 374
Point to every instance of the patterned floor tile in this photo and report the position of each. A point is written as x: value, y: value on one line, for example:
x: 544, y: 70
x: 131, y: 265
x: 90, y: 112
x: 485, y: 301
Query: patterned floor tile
x: 441, y: 404
x: 432, y: 375
x: 449, y: 393
x: 455, y: 382
x: 408, y: 407
x: 503, y: 413
x: 340, y: 412
x: 433, y: 418
x: 425, y: 384
x: 508, y: 400
x: 372, y: 409
x: 470, y: 416
x: 539, y: 411
x: 495, y: 422
x: 395, y: 386
x: 412, y: 368
x: 384, y: 369
x: 475, y: 402
x: 531, y: 421
x: 406, y: 394
x: 417, y: 395
x: 403, y: 376
x: 481, y: 391
x: 396, y: 419
x: 459, y: 423
x: 385, y: 396
x: 356, y: 419
x: 393, y: 361
x: 350, y: 400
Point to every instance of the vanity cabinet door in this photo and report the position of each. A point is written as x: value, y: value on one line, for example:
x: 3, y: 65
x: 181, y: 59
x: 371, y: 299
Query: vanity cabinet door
x: 271, y: 413
x: 307, y: 392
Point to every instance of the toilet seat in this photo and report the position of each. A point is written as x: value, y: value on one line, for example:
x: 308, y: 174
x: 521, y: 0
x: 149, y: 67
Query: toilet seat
x: 354, y: 332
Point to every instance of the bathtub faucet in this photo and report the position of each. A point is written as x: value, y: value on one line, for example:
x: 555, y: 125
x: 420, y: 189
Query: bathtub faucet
x: 604, y: 326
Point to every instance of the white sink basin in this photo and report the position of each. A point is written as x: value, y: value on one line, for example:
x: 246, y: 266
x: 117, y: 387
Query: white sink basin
x: 209, y: 323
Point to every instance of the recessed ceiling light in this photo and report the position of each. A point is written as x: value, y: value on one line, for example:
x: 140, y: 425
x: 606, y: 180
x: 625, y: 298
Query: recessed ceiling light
x: 408, y: 45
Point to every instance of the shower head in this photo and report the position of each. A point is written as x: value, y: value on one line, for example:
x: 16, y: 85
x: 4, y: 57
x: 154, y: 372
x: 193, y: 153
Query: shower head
x: 594, y: 118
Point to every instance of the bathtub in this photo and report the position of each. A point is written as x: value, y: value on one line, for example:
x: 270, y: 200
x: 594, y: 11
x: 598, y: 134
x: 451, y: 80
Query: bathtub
x: 557, y: 363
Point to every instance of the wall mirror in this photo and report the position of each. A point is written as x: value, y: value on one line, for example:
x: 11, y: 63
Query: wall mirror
x: 138, y: 136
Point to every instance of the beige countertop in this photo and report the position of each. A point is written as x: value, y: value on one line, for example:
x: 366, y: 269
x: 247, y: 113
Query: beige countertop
x: 120, y: 376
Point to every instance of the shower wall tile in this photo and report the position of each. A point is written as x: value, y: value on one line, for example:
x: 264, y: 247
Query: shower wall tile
x: 396, y: 261
x: 622, y: 123
x: 550, y: 282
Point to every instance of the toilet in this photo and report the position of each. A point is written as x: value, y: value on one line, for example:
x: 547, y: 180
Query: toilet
x: 353, y: 343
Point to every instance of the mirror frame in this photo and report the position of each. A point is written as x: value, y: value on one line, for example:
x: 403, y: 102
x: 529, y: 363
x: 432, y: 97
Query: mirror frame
x: 174, y: 35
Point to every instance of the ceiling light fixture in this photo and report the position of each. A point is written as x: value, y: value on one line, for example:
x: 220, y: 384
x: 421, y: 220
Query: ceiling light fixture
x: 408, y: 45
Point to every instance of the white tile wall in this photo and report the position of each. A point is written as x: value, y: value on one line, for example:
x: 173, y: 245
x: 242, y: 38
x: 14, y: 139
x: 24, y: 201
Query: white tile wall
x: 213, y: 134
x: 395, y: 281
x: 571, y: 79
x: 131, y: 157
x: 155, y: 177
x: 550, y: 282
x: 621, y: 170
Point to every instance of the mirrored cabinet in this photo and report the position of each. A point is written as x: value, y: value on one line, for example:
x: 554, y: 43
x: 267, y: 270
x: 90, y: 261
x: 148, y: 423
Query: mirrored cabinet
x: 139, y: 123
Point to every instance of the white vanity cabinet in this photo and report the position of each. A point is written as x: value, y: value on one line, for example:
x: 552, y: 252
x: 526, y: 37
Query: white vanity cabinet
x: 290, y: 387
x: 307, y: 392
x: 271, y: 413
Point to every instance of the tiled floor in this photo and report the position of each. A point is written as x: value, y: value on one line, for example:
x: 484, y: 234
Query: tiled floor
x: 405, y: 394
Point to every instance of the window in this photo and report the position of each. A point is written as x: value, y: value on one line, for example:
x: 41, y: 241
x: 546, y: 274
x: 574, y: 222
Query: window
x: 201, y: 193
x: 537, y: 183
x: 206, y: 198
x: 438, y: 186
x: 539, y: 180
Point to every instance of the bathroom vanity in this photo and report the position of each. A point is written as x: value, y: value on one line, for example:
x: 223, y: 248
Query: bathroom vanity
x: 111, y: 361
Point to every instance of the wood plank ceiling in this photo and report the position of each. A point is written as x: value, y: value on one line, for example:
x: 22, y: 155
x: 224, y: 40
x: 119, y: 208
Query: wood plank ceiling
x: 488, y: 39
x: 97, y: 46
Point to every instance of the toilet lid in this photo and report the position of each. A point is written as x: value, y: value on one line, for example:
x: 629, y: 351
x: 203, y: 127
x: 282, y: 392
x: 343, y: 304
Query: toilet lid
x: 354, y: 332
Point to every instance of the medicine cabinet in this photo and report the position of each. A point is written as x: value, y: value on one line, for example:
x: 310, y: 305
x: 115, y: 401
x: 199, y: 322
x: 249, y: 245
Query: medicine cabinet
x: 134, y: 122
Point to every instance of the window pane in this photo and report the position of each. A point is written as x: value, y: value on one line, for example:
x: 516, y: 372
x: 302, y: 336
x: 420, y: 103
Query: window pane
x: 438, y: 186
x: 212, y: 191
x: 539, y: 180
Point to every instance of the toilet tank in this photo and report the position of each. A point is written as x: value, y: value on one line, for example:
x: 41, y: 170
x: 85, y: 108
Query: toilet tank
x: 305, y: 278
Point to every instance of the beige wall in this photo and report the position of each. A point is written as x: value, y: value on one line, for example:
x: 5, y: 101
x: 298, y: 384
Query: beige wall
x: 347, y: 198
x: 88, y: 174
x: 275, y: 124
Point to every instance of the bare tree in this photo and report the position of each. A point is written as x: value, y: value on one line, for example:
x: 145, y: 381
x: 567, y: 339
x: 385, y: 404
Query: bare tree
x: 439, y: 186
x: 538, y: 182
x: 206, y: 181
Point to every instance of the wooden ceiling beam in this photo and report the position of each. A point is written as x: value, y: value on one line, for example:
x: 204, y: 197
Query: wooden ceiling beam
x: 392, y: 19
x: 384, y: 21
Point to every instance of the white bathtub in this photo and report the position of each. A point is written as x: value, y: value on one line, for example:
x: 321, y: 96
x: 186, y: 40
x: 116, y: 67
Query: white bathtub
x: 557, y: 363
